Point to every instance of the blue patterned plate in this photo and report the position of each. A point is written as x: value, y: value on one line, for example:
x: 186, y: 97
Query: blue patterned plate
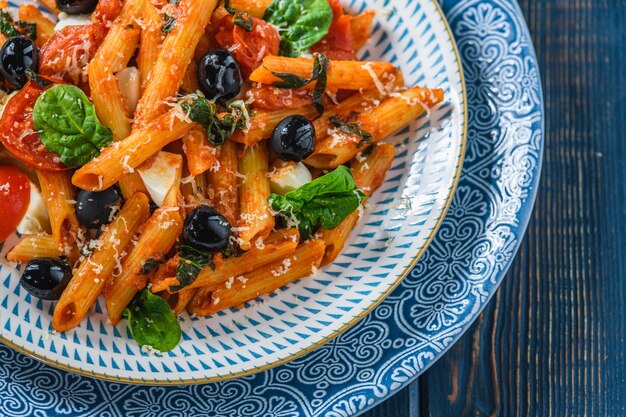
x: 399, y: 222
x: 423, y: 316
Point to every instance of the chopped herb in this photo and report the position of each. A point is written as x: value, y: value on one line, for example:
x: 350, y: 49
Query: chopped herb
x: 221, y: 126
x: 150, y: 265
x: 319, y: 74
x: 174, y: 2
x: 7, y: 24
x: 30, y: 29
x: 243, y: 19
x: 192, y: 261
x: 232, y: 251
x: 32, y: 76
x: 351, y: 128
x: 170, y: 22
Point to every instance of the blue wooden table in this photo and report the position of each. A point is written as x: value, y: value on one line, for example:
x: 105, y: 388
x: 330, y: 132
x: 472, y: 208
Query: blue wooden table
x: 551, y: 342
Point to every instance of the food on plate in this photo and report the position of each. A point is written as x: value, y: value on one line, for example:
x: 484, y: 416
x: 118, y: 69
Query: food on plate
x: 188, y: 155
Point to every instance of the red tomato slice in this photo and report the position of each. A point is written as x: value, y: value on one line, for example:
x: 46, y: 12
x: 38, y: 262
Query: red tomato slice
x: 68, y: 52
x: 337, y: 44
x: 273, y: 98
x: 14, y: 199
x: 249, y: 48
x: 17, y: 131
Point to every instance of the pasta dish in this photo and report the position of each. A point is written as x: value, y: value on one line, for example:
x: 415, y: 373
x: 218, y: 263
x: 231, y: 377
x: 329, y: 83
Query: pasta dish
x: 187, y: 155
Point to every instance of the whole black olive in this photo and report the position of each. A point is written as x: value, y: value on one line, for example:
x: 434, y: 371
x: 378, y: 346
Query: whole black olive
x: 77, y: 6
x: 94, y: 209
x: 46, y: 278
x: 293, y: 139
x: 206, y: 229
x: 219, y: 75
x: 17, y: 55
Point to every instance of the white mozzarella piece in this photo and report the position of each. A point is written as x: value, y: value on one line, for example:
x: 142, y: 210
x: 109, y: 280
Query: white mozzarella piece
x: 289, y: 177
x: 130, y: 87
x: 36, y: 219
x: 165, y: 171
x: 72, y: 20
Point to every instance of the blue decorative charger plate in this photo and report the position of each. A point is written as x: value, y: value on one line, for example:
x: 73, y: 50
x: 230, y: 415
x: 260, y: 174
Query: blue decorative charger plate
x: 423, y: 317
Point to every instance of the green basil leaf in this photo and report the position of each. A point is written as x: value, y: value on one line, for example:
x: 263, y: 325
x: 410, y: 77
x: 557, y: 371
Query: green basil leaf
x: 6, y: 24
x: 319, y: 74
x: 324, y: 202
x: 243, y: 19
x: 68, y: 125
x: 301, y: 23
x: 351, y: 128
x: 168, y: 23
x: 152, y: 322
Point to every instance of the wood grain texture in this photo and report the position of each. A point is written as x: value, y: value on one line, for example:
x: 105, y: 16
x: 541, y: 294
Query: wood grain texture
x: 551, y: 341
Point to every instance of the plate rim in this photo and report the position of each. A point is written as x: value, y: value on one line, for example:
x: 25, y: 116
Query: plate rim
x: 460, y: 159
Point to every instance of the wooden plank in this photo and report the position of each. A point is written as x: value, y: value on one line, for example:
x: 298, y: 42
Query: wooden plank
x: 551, y: 341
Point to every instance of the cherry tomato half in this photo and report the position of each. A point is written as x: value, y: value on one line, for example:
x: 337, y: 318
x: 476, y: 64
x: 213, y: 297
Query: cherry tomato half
x: 14, y: 199
x: 17, y: 131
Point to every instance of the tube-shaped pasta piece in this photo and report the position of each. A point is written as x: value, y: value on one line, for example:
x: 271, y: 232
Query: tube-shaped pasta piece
x: 113, y: 55
x: 278, y: 245
x: 45, y: 27
x: 175, y: 55
x: 126, y: 155
x: 263, y: 123
x: 255, y: 218
x: 157, y: 238
x: 51, y: 5
x: 151, y: 39
x: 369, y: 174
x: 345, y: 75
x: 361, y: 28
x: 32, y: 247
x: 390, y: 116
x: 303, y: 262
x: 222, y: 183
x: 92, y: 274
x: 180, y: 300
x: 201, y: 155
x: 255, y: 7
x: 193, y: 190
x: 59, y: 196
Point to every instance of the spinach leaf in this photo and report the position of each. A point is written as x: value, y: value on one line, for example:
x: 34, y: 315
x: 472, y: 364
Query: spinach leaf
x: 9, y: 27
x: 319, y: 74
x: 152, y: 322
x: 192, y: 261
x: 68, y: 125
x: 324, y: 202
x: 302, y: 23
x: 243, y: 19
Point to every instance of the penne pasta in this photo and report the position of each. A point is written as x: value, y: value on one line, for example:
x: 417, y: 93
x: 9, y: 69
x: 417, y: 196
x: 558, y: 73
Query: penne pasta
x: 123, y: 157
x: 345, y: 75
x: 113, y: 55
x: 222, y: 183
x: 151, y: 39
x: 201, y: 155
x: 256, y: 8
x: 361, y: 28
x: 277, y: 246
x: 92, y: 274
x: 174, y: 58
x: 33, y: 247
x: 390, y: 116
x: 59, y: 196
x: 303, y: 262
x: 369, y: 174
x: 180, y: 300
x: 255, y: 218
x: 157, y: 238
x: 45, y: 27
x: 263, y: 123
x: 51, y: 5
